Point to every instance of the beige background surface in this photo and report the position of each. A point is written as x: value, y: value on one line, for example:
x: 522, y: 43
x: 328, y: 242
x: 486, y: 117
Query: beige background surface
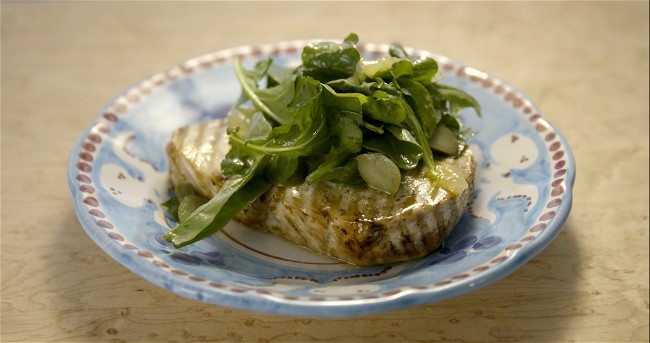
x: 584, y: 63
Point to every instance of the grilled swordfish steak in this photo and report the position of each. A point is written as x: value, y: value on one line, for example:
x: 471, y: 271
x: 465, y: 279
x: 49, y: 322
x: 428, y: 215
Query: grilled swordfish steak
x: 360, y: 226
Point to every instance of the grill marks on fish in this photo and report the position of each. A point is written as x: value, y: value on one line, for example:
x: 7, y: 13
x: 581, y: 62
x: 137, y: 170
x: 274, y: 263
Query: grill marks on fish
x: 195, y: 153
x: 359, y: 226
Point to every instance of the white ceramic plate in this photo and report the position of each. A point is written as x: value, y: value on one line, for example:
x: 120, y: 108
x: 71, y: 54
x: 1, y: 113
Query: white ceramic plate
x: 118, y: 178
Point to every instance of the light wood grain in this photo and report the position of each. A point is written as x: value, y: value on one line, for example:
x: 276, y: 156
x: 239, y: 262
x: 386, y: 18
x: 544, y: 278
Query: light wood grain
x: 584, y: 63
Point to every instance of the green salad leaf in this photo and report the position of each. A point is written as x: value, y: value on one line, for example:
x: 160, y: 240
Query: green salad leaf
x: 399, y: 145
x: 237, y: 192
x: 338, y: 117
x: 326, y: 61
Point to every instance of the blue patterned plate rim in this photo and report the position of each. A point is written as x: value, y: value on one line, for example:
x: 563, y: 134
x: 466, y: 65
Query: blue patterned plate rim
x: 464, y: 264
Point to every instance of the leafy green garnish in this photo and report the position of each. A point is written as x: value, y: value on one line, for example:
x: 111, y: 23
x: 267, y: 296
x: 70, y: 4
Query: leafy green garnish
x: 327, y: 61
x: 337, y: 117
x: 399, y: 145
x: 235, y: 194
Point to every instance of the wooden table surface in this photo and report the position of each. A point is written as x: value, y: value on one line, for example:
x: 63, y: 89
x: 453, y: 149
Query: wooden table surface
x: 584, y: 63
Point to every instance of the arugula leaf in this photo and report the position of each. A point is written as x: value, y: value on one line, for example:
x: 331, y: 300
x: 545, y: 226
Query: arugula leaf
x: 326, y: 61
x: 458, y: 99
x: 386, y: 108
x: 418, y: 125
x: 400, y: 146
x: 425, y: 70
x: 345, y: 133
x: 324, y: 165
x: 419, y: 96
x: 237, y: 192
x: 351, y: 102
x: 338, y: 167
x: 422, y: 139
x: 278, y: 75
x: 346, y: 174
x: 239, y: 159
x: 271, y: 101
x: 172, y: 205
x: 401, y: 68
x: 347, y: 140
x: 258, y: 127
x: 188, y: 205
x: 352, y: 86
x: 450, y: 122
x: 397, y: 50
x: 305, y: 135
x: 181, y: 191
x: 284, y: 170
